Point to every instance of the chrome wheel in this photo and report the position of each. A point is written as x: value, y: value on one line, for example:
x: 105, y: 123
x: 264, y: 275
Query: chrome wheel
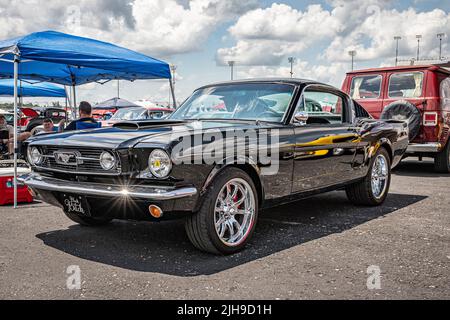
x: 380, y: 176
x: 235, y: 212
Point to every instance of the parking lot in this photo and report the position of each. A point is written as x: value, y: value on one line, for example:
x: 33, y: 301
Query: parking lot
x: 319, y: 248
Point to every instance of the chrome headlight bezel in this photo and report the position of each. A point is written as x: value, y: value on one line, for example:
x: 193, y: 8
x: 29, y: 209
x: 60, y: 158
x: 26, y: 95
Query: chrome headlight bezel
x: 107, y: 161
x: 160, y: 163
x: 35, y: 156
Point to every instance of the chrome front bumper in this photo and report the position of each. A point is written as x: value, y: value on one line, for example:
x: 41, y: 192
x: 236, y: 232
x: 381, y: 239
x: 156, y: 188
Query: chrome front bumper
x: 424, y: 147
x: 155, y: 193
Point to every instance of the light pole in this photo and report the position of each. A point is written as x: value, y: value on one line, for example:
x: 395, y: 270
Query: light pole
x: 291, y: 61
x: 396, y: 38
x: 118, y: 89
x: 440, y: 36
x: 352, y: 54
x: 232, y: 64
x: 418, y: 37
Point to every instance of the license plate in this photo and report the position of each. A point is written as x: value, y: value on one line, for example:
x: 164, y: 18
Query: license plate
x: 76, y: 205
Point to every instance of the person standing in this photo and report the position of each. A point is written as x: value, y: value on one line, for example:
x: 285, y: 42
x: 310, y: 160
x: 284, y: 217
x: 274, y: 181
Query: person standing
x: 85, y: 121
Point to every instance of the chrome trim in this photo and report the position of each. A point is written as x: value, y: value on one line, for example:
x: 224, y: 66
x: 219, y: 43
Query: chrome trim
x: 38, y: 182
x: 432, y: 147
x: 90, y: 173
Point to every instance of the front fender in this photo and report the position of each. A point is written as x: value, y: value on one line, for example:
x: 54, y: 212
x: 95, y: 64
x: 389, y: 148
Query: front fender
x: 242, y: 163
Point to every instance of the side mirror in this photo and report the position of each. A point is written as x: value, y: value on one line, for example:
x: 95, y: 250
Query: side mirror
x: 301, y: 117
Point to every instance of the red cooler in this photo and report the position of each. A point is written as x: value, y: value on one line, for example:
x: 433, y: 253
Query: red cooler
x: 7, y: 187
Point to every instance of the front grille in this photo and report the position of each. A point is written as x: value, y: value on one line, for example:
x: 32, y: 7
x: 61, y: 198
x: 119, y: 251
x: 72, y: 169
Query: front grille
x: 87, y: 160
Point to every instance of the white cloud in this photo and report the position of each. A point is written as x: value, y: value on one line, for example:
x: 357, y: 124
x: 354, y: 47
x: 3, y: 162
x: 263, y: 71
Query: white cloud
x: 267, y: 36
x: 331, y: 74
x: 374, y: 37
x: 156, y: 27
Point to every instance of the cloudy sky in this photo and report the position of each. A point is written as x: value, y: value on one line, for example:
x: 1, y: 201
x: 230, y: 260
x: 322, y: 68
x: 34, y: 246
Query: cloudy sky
x: 200, y: 36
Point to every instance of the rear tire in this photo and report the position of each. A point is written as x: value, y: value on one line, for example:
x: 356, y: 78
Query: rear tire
x: 442, y: 160
x: 222, y: 225
x: 88, y: 221
x: 373, y: 190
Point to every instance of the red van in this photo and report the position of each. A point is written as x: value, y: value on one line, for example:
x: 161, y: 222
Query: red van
x: 418, y: 94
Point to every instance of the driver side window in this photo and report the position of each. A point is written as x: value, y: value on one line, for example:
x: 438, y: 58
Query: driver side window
x: 322, y: 107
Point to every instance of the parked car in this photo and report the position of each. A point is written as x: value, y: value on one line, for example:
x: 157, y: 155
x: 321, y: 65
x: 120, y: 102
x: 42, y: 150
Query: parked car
x: 136, y: 171
x: 139, y: 113
x: 9, y: 116
x: 32, y: 118
x: 417, y: 94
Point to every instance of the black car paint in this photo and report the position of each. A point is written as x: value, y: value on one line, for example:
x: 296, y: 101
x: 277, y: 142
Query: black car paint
x: 303, y: 171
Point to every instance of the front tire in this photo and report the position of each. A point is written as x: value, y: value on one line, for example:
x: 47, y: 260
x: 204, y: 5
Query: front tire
x: 228, y: 215
x: 374, y: 188
x: 88, y: 221
x: 442, y: 160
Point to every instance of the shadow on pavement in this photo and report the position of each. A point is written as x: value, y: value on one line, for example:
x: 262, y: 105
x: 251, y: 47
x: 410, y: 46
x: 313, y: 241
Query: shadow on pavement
x: 164, y: 248
x: 411, y: 168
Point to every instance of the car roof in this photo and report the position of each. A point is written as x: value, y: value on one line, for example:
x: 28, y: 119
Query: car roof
x: 293, y: 81
x: 401, y: 68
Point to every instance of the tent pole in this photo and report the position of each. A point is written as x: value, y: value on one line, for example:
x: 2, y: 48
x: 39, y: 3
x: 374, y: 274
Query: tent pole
x: 173, y: 94
x: 65, y: 90
x: 16, y: 129
x: 74, y: 101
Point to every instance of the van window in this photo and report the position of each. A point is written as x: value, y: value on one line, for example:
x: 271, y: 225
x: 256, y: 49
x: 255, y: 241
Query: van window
x: 445, y: 94
x: 366, y: 87
x: 406, y: 85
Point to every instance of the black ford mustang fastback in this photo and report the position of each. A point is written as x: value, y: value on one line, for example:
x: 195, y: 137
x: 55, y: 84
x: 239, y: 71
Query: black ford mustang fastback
x: 229, y: 150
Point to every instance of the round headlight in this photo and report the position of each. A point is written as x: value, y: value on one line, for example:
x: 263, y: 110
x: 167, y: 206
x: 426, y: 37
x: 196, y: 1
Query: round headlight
x: 160, y: 163
x: 34, y: 156
x: 107, y: 160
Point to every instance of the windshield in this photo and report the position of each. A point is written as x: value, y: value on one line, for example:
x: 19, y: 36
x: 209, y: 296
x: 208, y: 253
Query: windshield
x: 9, y: 118
x: 128, y: 114
x: 252, y: 101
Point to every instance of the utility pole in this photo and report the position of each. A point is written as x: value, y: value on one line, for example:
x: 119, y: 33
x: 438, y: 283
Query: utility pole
x: 440, y: 36
x: 396, y: 38
x: 232, y: 64
x: 418, y: 37
x: 352, y: 54
x: 291, y: 61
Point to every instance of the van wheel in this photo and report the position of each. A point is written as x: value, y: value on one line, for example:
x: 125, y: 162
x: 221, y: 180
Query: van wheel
x: 442, y: 160
x: 374, y: 188
x: 88, y: 221
x: 227, y: 217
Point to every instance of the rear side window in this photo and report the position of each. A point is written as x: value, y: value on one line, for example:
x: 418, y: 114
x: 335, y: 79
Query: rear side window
x: 366, y: 87
x: 445, y: 94
x: 406, y: 85
x: 322, y: 107
x: 360, y: 112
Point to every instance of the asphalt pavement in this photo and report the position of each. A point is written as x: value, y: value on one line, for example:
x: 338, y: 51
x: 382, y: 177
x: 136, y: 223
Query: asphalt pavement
x: 318, y: 248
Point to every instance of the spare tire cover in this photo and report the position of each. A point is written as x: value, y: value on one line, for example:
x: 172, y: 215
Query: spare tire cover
x: 406, y: 111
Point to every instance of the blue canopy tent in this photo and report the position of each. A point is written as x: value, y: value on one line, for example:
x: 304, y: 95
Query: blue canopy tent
x: 27, y: 89
x: 70, y: 60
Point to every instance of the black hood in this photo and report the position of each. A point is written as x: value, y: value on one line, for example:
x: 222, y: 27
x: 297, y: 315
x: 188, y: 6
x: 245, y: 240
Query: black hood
x: 129, y: 134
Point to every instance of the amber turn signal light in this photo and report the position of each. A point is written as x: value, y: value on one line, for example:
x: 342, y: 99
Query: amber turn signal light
x: 155, y: 211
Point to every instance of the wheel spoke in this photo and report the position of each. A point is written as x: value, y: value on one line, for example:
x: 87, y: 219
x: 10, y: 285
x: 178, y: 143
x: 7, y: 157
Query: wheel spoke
x: 223, y: 228
x: 241, y: 201
x: 234, y: 222
x: 230, y: 228
x: 220, y: 222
